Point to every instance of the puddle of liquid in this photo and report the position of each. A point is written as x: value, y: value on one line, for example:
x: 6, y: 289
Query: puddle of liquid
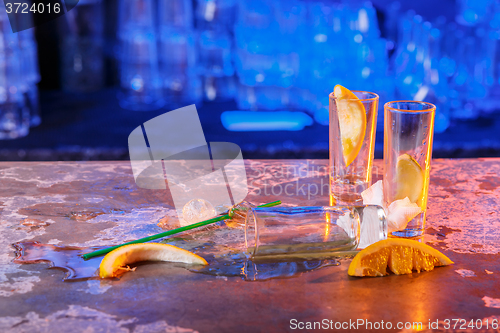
x: 70, y: 260
x: 261, y: 271
x: 67, y: 258
x: 227, y: 260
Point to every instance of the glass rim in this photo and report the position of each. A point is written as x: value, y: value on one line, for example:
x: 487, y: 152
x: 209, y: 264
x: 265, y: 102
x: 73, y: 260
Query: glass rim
x: 431, y: 106
x: 256, y: 232
x: 375, y: 96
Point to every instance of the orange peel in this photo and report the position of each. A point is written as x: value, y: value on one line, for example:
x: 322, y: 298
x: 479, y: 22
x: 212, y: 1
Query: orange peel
x: 117, y: 262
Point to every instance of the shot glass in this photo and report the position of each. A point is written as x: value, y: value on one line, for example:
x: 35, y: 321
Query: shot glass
x: 310, y: 232
x: 351, y: 165
x: 408, y: 135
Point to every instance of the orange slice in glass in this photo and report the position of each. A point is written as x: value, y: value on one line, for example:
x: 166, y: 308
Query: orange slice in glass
x: 352, y: 121
x: 409, y: 179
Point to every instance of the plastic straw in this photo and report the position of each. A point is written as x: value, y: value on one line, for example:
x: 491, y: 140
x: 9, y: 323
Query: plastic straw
x: 101, y: 252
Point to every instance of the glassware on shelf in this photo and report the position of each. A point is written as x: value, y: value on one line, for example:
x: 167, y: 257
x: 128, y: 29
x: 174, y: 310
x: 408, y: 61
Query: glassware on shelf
x: 435, y: 84
x: 177, y: 54
x: 82, y: 42
x: 247, y: 50
x: 139, y: 70
x: 30, y: 74
x: 14, y: 113
x: 29, y: 64
x: 473, y: 12
x: 341, y: 44
x: 214, y: 20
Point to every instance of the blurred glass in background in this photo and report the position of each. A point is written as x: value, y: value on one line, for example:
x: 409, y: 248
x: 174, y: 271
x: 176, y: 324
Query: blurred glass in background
x: 140, y: 83
x: 181, y: 84
x: 289, y: 54
x: 266, y: 55
x: 81, y: 47
x: 214, y: 20
x: 29, y: 67
x: 19, y: 104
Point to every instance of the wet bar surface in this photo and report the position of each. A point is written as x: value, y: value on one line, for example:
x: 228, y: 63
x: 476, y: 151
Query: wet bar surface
x: 92, y: 204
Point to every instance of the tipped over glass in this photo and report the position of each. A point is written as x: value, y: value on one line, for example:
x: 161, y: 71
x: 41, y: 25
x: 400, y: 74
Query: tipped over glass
x: 311, y: 232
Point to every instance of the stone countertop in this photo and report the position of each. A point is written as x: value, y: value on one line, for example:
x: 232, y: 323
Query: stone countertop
x: 97, y: 203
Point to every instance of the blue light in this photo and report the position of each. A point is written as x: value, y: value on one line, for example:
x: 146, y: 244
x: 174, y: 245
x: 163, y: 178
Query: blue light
x: 245, y: 121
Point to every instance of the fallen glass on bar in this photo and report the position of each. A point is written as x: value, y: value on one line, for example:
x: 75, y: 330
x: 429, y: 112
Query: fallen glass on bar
x: 311, y: 232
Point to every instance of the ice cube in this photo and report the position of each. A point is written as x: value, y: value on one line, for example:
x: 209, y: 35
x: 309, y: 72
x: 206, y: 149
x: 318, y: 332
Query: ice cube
x: 400, y: 212
x: 374, y: 195
x: 197, y: 210
x: 371, y: 227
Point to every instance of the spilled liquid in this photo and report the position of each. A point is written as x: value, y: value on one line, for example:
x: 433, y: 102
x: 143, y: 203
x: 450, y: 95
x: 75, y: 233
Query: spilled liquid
x: 220, y: 245
x: 239, y: 265
x: 67, y: 258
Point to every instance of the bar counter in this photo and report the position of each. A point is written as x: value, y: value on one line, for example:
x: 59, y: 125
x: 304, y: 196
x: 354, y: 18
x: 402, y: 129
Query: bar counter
x: 97, y: 203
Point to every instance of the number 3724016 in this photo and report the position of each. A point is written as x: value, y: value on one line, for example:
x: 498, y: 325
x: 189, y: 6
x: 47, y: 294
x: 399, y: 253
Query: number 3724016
x: 25, y: 8
x: 472, y: 324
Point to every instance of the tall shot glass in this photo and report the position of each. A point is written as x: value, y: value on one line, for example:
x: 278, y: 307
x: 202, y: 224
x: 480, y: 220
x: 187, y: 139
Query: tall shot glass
x: 350, y: 169
x: 311, y: 232
x: 408, y: 135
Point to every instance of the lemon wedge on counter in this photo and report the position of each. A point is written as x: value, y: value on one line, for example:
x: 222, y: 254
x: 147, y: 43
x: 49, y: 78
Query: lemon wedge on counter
x: 116, y: 262
x: 400, y: 256
x: 352, y: 122
x: 409, y: 179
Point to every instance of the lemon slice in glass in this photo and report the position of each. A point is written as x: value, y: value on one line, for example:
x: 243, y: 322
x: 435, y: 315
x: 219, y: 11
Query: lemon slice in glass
x: 116, y: 262
x: 352, y: 122
x: 400, y: 256
x: 409, y: 179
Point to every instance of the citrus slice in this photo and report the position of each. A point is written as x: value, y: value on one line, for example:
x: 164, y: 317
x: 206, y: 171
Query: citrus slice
x: 352, y: 122
x: 116, y: 262
x: 400, y: 256
x: 409, y: 179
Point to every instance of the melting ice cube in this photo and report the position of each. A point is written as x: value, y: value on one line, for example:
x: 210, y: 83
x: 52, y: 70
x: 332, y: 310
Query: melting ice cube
x: 198, y: 210
x: 399, y: 212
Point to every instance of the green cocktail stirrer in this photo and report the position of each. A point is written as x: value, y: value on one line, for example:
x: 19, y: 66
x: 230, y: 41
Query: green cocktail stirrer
x: 170, y: 232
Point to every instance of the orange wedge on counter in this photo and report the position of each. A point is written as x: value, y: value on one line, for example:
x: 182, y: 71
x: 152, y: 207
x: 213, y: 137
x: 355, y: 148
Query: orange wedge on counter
x: 352, y: 122
x: 409, y: 179
x: 400, y: 256
x: 116, y: 262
